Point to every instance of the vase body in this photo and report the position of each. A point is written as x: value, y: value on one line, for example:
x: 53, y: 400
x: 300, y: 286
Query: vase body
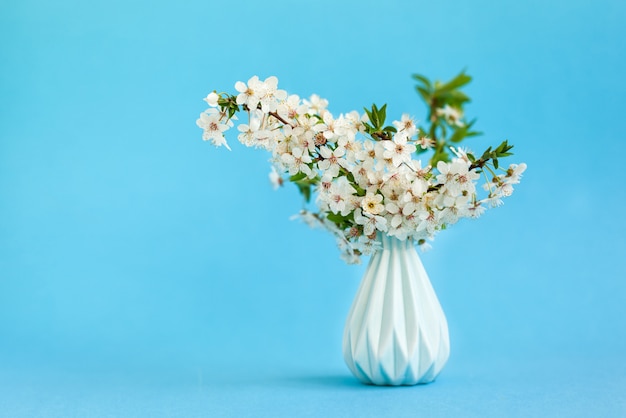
x: 396, y: 332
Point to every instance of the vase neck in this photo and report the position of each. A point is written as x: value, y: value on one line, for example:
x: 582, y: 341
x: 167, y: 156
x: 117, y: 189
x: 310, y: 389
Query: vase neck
x: 389, y: 242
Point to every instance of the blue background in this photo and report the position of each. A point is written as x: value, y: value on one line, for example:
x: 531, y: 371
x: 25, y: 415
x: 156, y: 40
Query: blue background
x: 145, y: 273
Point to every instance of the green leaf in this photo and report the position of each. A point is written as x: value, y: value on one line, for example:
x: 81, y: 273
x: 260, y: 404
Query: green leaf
x: 297, y: 177
x: 458, y: 81
x: 473, y: 133
x: 503, y: 149
x: 426, y: 95
x: 382, y: 114
x: 369, y: 114
x: 305, y: 190
x: 459, y: 96
x: 458, y: 135
x: 454, y: 98
x: 439, y: 156
x: 359, y: 191
x: 424, y: 80
x: 335, y: 217
x: 374, y: 117
x: 342, y: 222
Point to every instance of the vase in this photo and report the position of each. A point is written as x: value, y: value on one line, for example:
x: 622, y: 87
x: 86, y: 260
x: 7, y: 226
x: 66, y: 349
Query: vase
x: 396, y: 332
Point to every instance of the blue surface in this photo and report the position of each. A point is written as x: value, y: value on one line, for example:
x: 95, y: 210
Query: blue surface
x: 144, y: 273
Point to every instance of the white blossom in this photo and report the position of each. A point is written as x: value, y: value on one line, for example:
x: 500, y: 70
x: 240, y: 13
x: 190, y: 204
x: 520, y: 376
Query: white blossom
x: 250, y: 93
x: 316, y: 105
x: 398, y: 150
x: 275, y: 179
x: 332, y: 161
x: 405, y: 126
x: 270, y: 95
x: 370, y: 222
x: 289, y: 108
x: 451, y: 115
x: 366, y: 245
x: 514, y: 173
x: 297, y: 161
x: 212, y: 99
x: 213, y: 127
x: 338, y: 196
x: 372, y: 203
x: 456, y: 176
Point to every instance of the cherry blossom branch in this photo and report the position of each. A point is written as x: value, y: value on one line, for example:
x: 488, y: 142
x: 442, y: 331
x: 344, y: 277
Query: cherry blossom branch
x: 277, y: 116
x: 361, y: 170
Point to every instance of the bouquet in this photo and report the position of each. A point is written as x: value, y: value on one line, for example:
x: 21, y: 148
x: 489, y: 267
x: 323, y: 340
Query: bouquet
x: 367, y: 176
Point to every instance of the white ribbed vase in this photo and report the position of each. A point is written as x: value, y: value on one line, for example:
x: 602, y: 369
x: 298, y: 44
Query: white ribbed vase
x: 396, y: 332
